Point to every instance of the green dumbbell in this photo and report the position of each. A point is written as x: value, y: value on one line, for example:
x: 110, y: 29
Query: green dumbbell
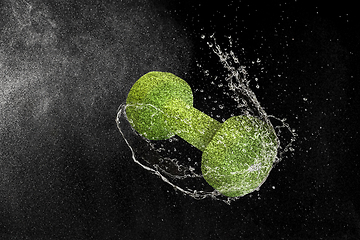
x: 237, y: 154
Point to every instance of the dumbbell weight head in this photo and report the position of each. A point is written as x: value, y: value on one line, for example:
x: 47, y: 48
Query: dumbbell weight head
x: 240, y: 156
x: 146, y: 99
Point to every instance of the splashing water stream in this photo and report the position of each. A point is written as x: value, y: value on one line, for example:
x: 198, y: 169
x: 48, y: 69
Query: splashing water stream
x: 176, y: 162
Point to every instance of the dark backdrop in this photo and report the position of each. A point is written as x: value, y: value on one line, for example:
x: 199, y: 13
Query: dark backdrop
x: 66, y: 66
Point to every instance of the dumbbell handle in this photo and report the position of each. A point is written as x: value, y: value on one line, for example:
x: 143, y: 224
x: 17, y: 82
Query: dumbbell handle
x: 190, y: 124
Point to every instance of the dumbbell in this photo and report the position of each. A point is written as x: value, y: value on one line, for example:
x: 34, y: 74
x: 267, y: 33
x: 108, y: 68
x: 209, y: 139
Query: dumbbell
x: 237, y: 154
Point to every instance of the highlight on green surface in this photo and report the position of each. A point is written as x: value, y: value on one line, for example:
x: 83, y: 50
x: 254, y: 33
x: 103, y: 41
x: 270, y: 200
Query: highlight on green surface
x: 237, y: 154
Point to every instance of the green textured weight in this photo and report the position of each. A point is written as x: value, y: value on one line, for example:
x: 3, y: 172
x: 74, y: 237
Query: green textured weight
x: 147, y: 98
x: 237, y: 155
x: 240, y: 156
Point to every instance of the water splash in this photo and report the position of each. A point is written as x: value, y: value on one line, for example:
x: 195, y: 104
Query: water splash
x: 178, y: 163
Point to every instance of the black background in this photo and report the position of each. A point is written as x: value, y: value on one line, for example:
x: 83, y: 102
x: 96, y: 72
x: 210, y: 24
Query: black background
x: 66, y: 66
